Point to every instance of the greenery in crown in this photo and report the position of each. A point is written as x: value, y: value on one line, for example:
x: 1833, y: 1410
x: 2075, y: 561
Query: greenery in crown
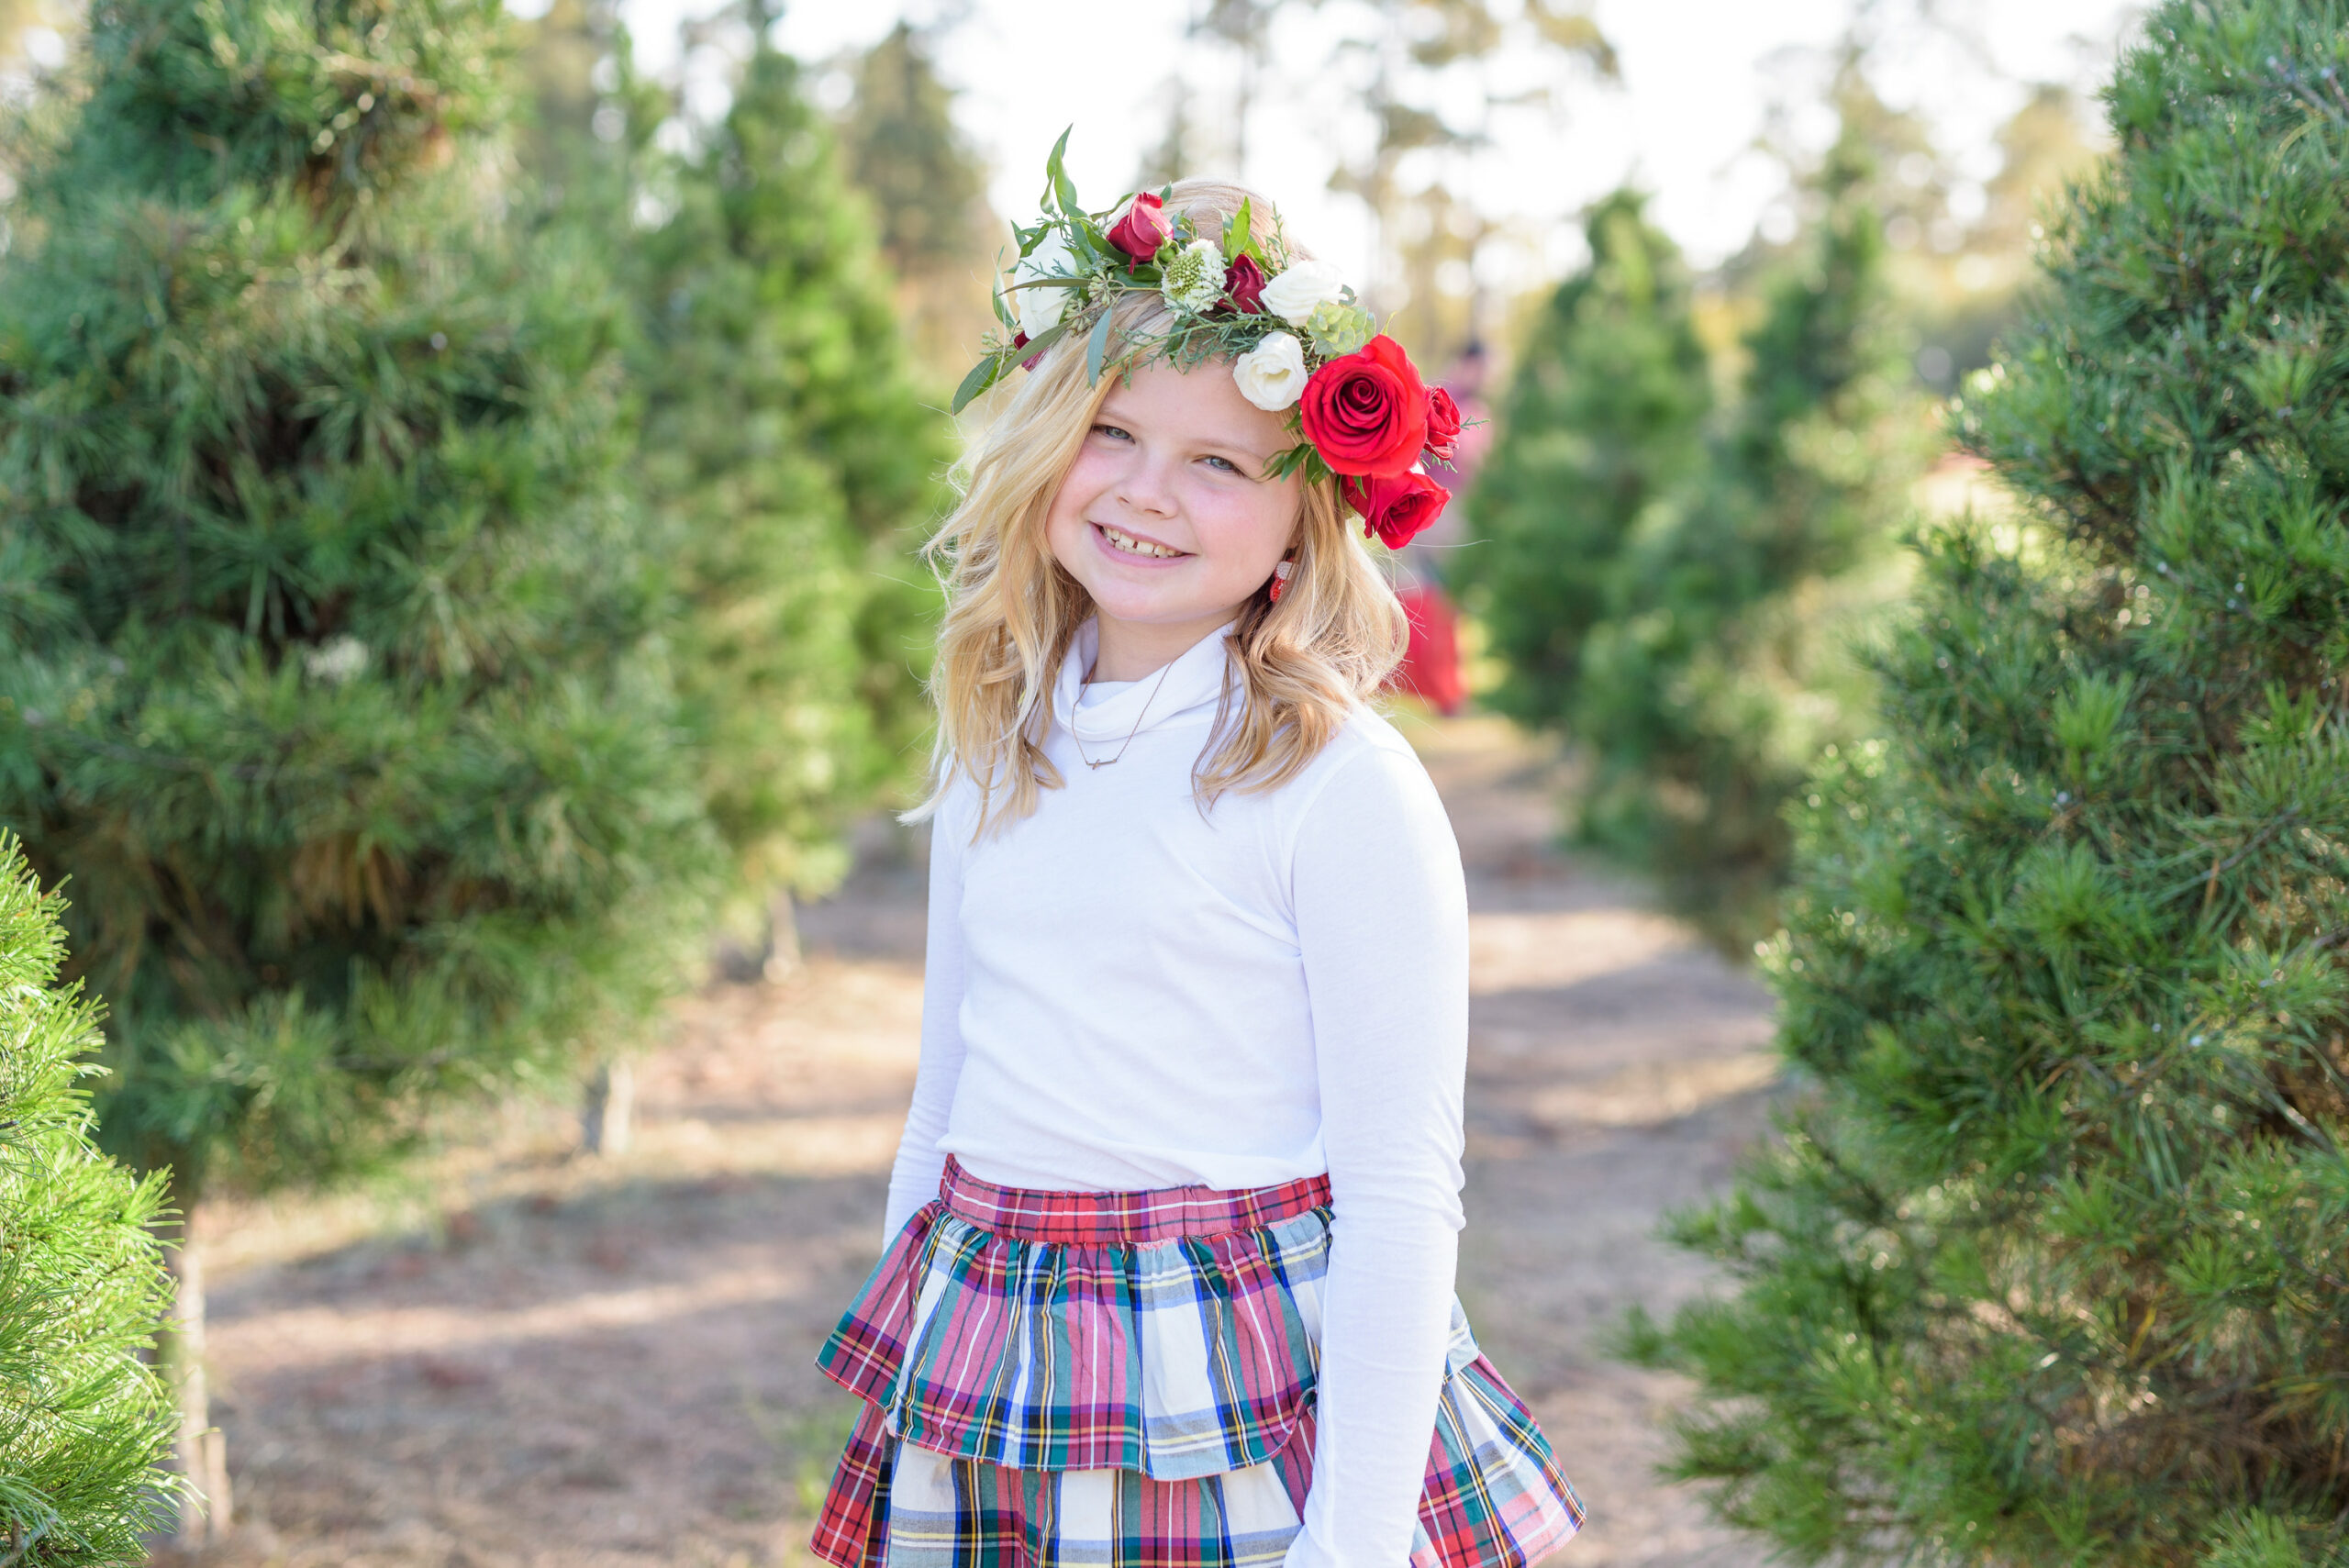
x: 1296, y: 339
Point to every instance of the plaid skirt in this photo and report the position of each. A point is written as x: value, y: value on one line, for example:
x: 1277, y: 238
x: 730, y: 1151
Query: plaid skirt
x: 1125, y: 1380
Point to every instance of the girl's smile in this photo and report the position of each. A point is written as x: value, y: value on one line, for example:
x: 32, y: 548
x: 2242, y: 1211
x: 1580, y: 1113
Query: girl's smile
x: 1121, y: 542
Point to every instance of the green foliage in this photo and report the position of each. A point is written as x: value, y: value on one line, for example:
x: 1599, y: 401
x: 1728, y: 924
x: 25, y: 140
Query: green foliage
x: 330, y: 653
x: 797, y: 465
x: 782, y: 449
x: 84, y: 1420
x: 1603, y: 422
x: 1719, y: 668
x: 2048, y: 1267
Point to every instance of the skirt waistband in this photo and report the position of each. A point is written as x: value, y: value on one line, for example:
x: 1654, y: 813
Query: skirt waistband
x: 1123, y: 1219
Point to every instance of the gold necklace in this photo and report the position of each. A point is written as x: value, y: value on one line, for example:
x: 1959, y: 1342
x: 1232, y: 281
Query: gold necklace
x: 1105, y: 761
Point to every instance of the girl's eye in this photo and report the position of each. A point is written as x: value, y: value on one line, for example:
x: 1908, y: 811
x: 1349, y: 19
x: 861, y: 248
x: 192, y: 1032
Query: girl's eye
x: 1223, y: 465
x: 1112, y: 431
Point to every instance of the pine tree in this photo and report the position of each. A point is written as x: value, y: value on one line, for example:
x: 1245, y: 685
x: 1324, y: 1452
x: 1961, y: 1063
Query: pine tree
x: 84, y: 1420
x: 796, y: 466
x: 1718, y: 669
x: 331, y: 655
x: 1604, y: 420
x: 2048, y: 1267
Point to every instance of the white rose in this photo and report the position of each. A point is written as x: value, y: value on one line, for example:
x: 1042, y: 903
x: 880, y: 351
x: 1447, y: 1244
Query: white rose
x: 1293, y: 295
x: 1040, y: 307
x: 1272, y: 374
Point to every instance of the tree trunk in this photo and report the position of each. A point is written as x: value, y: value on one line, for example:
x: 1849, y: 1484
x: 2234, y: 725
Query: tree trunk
x: 784, y: 957
x: 208, y: 1511
x: 607, y: 1109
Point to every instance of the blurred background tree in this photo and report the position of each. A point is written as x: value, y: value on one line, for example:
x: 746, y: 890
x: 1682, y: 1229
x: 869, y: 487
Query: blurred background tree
x: 784, y: 437
x: 1956, y: 251
x: 1420, y: 85
x: 1968, y: 281
x: 901, y: 149
x: 1705, y: 664
x: 334, y: 665
x: 783, y: 447
x: 1429, y: 79
x: 15, y: 17
x: 83, y: 1291
x: 2048, y: 1266
x: 1604, y: 419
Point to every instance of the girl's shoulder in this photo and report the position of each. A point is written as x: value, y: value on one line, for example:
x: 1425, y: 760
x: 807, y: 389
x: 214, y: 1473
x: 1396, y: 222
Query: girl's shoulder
x: 1367, y: 769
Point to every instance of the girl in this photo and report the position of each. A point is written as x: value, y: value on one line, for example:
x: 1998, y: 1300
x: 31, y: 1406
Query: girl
x: 1170, y: 1235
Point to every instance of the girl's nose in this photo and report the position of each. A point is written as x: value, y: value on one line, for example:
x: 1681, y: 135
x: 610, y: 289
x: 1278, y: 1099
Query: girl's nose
x: 1147, y: 487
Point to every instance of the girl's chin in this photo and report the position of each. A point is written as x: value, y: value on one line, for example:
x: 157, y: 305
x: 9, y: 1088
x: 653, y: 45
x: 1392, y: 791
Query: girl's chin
x: 1124, y: 601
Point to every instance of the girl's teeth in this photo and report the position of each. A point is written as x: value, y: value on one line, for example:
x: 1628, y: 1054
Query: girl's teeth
x: 1133, y: 546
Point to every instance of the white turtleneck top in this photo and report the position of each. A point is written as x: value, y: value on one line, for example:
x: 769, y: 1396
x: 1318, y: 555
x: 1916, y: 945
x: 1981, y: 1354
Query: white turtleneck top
x: 1125, y: 990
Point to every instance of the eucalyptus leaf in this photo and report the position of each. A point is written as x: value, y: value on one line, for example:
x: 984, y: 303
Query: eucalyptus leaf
x: 1055, y: 181
x: 1064, y: 190
x: 981, y: 375
x: 1095, y: 347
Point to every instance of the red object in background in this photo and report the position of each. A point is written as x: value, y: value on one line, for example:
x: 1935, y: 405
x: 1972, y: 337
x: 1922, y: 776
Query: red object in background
x: 1430, y: 668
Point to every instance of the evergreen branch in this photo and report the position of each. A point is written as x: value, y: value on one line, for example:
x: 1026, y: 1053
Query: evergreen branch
x: 2219, y: 866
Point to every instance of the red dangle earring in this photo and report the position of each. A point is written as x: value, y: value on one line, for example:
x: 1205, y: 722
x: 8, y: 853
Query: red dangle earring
x: 1280, y: 578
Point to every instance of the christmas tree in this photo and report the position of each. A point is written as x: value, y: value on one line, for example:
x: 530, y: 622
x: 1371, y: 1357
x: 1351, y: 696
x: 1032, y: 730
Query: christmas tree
x: 84, y: 1420
x: 797, y: 468
x: 2047, y: 1267
x: 332, y: 656
x: 1718, y: 669
x: 783, y: 445
x: 1604, y: 421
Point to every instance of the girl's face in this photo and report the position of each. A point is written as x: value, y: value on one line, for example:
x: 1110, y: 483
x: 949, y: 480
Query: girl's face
x: 1166, y: 516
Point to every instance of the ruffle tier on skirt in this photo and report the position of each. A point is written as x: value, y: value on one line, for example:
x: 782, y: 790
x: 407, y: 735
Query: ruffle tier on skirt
x: 1126, y: 1380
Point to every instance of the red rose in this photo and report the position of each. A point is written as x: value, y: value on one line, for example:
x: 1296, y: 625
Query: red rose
x: 1243, y: 284
x: 1396, y: 507
x: 1366, y: 412
x: 1443, y: 425
x: 1143, y: 228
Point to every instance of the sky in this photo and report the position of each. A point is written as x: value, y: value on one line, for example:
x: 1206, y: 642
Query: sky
x: 1697, y: 81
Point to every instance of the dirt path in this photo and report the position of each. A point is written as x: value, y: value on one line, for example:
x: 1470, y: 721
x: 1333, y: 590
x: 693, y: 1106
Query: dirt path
x: 514, y: 1357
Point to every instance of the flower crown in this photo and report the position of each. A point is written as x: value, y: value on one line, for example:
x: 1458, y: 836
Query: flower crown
x: 1293, y: 334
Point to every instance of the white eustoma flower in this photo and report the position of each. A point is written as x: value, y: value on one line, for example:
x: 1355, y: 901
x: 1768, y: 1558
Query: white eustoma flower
x: 1293, y: 294
x: 1041, y: 306
x: 1193, y: 278
x: 1272, y: 374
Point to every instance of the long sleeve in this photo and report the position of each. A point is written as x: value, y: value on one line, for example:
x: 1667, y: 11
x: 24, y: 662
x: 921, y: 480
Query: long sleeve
x: 1381, y: 920
x: 913, y: 1179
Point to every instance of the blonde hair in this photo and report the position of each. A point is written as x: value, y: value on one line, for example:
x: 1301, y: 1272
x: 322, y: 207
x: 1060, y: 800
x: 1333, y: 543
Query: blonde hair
x: 1012, y: 610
